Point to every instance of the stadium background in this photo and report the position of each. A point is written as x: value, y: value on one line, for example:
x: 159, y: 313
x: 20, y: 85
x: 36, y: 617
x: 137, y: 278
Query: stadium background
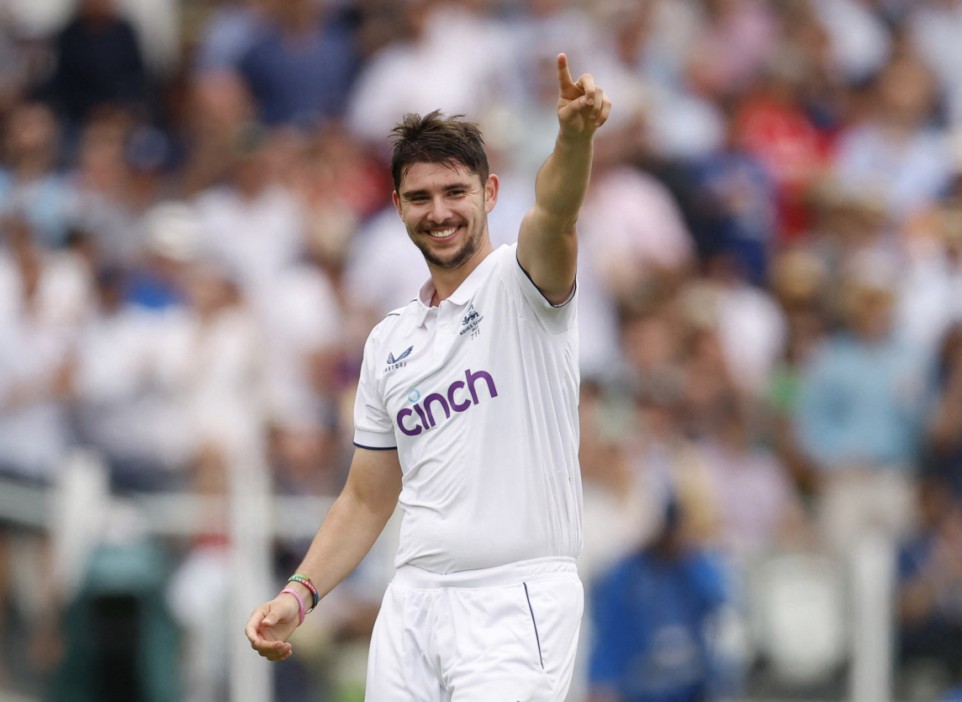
x: 196, y: 236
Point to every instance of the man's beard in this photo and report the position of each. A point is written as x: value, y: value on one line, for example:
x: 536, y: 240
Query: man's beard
x: 468, y: 249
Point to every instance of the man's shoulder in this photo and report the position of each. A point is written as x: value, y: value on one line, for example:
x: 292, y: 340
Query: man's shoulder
x: 397, y: 319
x: 506, y: 252
x: 503, y: 262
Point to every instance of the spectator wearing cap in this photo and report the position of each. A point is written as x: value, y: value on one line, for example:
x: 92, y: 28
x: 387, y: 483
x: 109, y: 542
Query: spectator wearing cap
x: 172, y: 240
x: 652, y: 615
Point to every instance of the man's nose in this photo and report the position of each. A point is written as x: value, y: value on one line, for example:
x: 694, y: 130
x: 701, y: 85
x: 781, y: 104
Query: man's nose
x: 439, y: 212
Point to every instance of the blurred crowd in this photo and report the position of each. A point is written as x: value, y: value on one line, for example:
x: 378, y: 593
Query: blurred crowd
x: 196, y: 235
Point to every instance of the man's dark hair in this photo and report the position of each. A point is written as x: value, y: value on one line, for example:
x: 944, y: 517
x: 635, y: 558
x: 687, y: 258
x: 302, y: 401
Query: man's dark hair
x: 435, y: 138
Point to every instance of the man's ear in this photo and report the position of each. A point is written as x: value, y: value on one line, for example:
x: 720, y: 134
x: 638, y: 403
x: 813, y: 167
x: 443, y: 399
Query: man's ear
x: 397, y: 201
x: 491, y: 188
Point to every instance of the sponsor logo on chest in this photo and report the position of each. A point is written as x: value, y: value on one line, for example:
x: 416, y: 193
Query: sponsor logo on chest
x: 427, y: 412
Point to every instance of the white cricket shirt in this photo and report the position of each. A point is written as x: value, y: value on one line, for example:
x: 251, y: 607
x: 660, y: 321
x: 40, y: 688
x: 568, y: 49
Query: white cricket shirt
x: 480, y: 397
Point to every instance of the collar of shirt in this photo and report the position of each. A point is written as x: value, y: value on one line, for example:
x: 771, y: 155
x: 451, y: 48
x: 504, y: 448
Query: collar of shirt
x: 461, y: 296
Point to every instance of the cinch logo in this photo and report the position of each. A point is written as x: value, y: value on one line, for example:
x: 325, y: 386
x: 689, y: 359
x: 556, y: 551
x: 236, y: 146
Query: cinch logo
x: 460, y: 395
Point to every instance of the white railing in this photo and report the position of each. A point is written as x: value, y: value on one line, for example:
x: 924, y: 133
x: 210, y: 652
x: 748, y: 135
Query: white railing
x: 79, y: 511
x: 873, y: 567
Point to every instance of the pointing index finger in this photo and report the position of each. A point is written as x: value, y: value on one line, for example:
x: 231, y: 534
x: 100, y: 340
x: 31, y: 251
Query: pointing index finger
x: 564, y: 74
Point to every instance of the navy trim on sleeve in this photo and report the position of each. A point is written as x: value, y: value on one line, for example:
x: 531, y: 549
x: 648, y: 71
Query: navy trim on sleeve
x: 375, y: 448
x: 528, y: 276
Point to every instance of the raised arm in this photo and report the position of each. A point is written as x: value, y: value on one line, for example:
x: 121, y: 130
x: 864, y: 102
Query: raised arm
x: 348, y: 532
x: 547, y: 242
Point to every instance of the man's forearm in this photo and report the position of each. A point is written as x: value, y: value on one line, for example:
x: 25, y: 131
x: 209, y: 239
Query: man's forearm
x: 547, y: 243
x: 345, y: 537
x: 355, y: 520
x: 563, y: 179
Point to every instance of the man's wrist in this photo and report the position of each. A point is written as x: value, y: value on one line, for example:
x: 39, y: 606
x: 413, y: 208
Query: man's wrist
x: 305, y: 583
x: 574, y: 140
x: 301, y: 590
x: 301, y: 606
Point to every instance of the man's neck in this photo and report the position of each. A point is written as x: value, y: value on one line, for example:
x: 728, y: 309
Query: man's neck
x: 447, y: 280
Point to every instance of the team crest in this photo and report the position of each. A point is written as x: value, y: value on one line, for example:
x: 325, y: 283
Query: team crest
x: 470, y: 322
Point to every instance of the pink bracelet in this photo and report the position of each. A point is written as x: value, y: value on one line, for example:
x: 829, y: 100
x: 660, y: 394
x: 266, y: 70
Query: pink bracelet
x: 300, y: 604
x: 306, y: 582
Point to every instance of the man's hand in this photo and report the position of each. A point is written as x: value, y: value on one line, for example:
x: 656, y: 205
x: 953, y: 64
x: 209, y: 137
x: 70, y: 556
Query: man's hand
x: 270, y: 625
x: 582, y: 105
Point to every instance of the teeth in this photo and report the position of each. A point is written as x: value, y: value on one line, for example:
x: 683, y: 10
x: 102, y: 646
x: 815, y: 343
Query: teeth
x: 442, y: 234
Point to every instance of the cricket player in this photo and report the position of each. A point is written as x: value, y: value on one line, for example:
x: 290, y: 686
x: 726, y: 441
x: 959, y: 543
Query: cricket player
x: 466, y: 417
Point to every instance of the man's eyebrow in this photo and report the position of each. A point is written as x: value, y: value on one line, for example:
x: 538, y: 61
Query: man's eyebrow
x: 408, y: 194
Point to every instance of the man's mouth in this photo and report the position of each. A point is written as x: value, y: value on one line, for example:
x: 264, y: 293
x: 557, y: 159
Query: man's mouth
x: 442, y: 233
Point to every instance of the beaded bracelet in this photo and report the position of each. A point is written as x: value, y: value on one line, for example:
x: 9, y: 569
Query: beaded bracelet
x: 300, y: 603
x: 306, y: 582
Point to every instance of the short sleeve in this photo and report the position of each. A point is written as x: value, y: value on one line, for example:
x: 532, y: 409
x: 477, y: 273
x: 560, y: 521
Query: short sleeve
x: 554, y: 318
x: 373, y: 428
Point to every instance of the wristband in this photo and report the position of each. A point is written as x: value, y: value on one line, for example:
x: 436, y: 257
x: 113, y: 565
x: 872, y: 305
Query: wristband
x: 300, y: 604
x: 306, y: 582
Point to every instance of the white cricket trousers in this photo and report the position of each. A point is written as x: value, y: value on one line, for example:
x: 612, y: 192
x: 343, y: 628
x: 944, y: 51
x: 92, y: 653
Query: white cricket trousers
x: 503, y: 634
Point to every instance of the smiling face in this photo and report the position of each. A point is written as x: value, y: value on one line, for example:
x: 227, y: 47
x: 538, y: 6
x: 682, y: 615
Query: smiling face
x: 445, y: 207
